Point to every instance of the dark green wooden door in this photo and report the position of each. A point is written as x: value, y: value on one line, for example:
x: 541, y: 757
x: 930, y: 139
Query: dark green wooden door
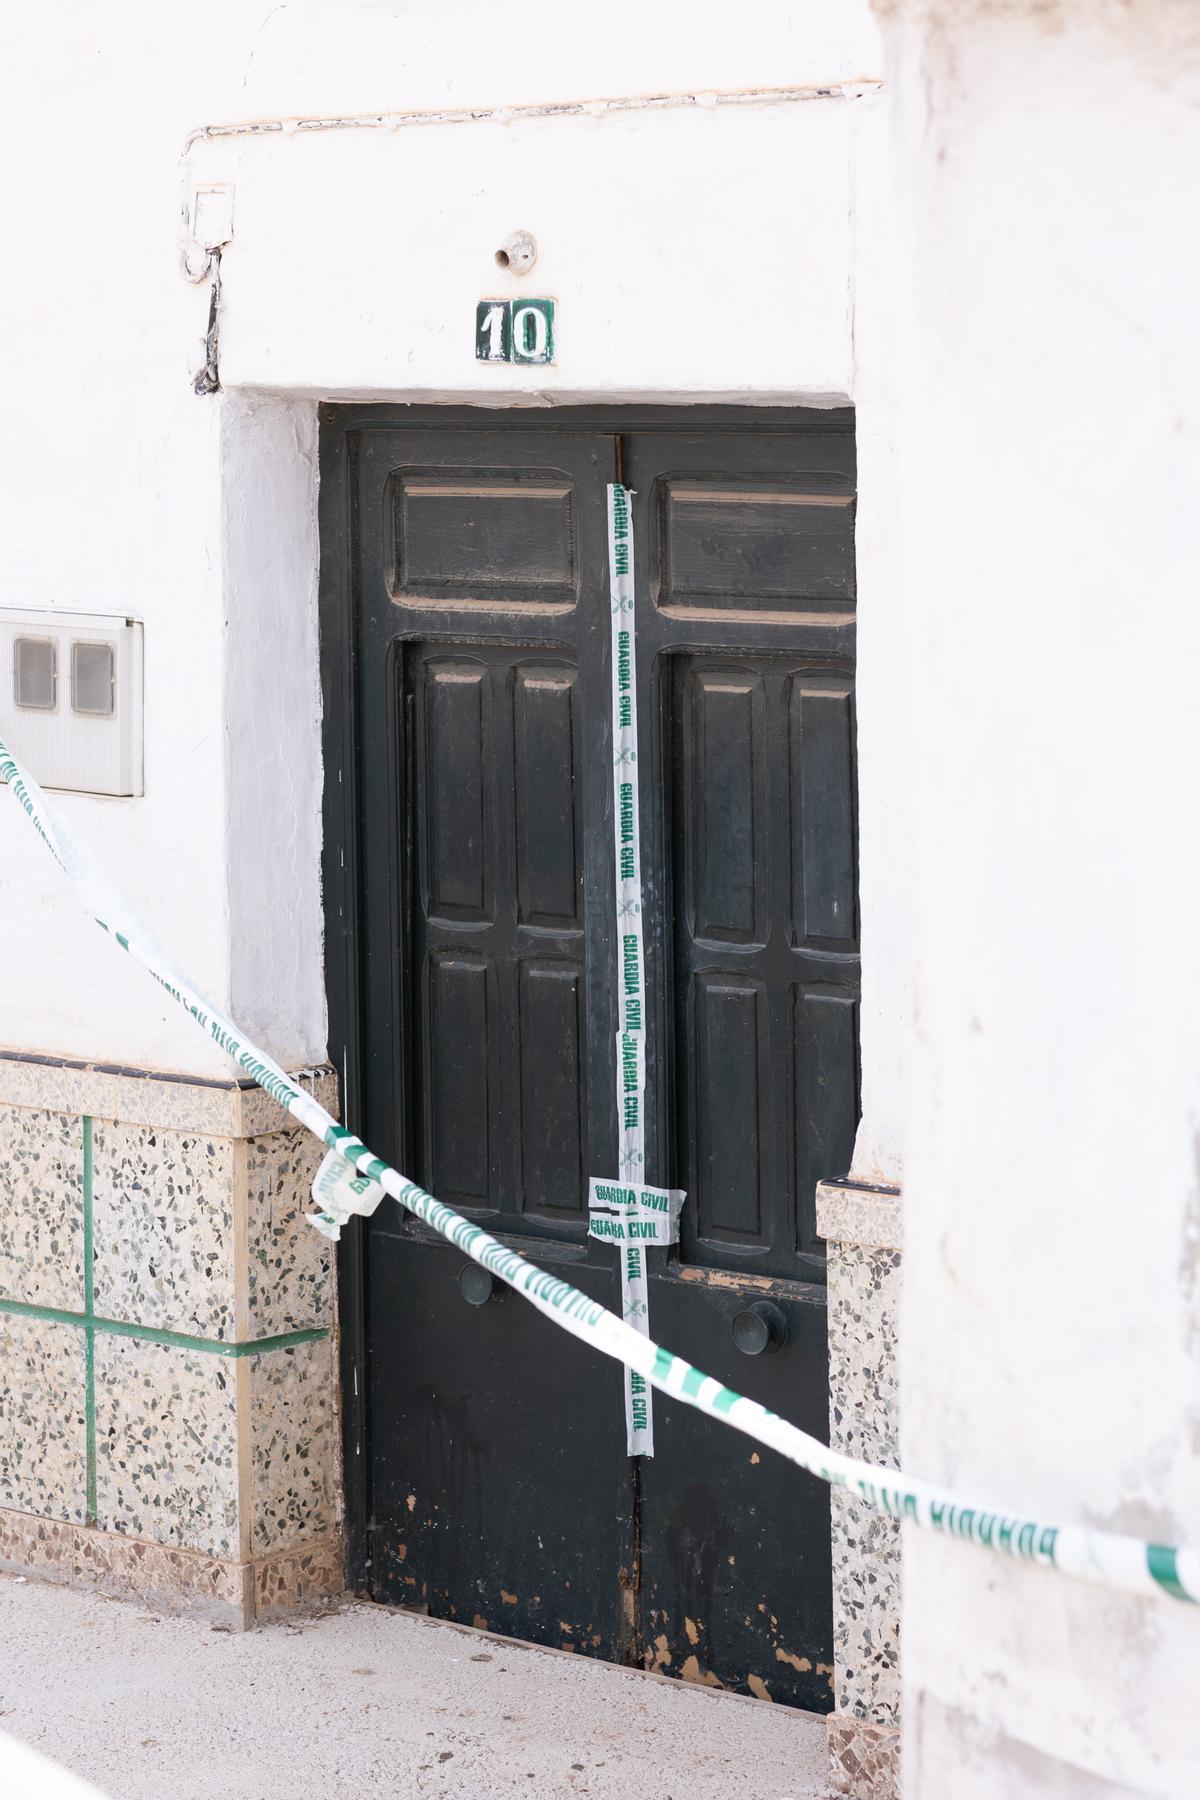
x: 467, y: 646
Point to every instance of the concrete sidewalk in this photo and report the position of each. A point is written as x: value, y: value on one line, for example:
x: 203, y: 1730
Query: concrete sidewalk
x: 364, y: 1701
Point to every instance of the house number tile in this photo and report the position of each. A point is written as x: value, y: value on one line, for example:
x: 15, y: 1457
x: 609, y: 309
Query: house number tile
x: 514, y: 331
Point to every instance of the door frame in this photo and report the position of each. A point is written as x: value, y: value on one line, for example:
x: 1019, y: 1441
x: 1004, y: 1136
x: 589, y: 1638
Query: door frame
x: 337, y: 606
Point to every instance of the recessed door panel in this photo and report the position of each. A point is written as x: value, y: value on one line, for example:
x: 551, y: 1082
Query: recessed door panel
x: 460, y: 1079
x: 749, y: 527
x: 728, y: 1016
x: 553, y: 1090
x: 821, y: 731
x: 825, y: 1058
x: 722, y: 813
x: 484, y: 538
x: 766, y: 1088
x: 455, y: 772
x: 546, y: 752
x: 753, y: 547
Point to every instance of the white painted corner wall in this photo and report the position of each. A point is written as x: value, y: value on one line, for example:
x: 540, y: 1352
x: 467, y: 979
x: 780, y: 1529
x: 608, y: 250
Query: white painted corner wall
x: 886, y: 799
x: 1048, y: 465
x: 270, y: 557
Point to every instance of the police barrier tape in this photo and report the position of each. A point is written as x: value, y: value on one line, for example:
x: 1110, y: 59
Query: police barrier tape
x: 1100, y: 1557
x: 630, y: 1088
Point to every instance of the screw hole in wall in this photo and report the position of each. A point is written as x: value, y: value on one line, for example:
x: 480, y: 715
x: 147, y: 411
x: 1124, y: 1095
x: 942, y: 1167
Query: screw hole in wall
x: 518, y: 252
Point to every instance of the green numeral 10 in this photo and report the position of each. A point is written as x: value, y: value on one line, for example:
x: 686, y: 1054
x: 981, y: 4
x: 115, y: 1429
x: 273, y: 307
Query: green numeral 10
x: 516, y: 331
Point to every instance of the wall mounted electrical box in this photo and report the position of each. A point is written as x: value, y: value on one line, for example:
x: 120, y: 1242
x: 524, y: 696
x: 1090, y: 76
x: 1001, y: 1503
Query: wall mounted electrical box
x: 71, y: 699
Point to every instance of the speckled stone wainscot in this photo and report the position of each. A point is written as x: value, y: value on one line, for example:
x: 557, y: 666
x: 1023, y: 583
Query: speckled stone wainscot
x: 861, y: 1226
x: 167, y: 1373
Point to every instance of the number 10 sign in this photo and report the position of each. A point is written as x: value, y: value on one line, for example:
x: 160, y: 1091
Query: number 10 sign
x: 514, y: 331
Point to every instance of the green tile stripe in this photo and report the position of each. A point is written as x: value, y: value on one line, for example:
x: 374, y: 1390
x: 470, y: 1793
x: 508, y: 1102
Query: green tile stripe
x: 285, y: 1340
x: 89, y: 1322
x: 89, y: 1309
x: 89, y: 1270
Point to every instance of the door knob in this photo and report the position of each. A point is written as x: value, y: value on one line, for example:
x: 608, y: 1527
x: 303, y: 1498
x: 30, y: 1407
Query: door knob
x: 478, y: 1285
x: 758, y: 1330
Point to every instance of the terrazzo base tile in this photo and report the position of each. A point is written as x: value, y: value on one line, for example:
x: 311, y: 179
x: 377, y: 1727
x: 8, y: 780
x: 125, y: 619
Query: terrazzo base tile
x: 864, y: 1760
x: 850, y: 1213
x: 289, y: 1265
x: 41, y: 1208
x: 231, y: 1595
x: 63, y: 1087
x: 192, y: 1108
x: 864, y: 1277
x: 125, y: 1568
x: 237, y: 1108
x: 866, y: 1610
x: 43, y: 1427
x: 864, y: 1294
x: 294, y: 1578
x: 292, y: 1446
x: 214, y: 1475
x: 164, y: 1229
x: 864, y: 1298
x: 233, y: 1107
x: 258, y: 1114
x: 167, y: 1444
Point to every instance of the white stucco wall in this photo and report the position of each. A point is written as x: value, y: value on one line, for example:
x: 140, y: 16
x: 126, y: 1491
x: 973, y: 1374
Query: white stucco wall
x: 1029, y: 396
x: 1048, y: 464
x: 693, y: 254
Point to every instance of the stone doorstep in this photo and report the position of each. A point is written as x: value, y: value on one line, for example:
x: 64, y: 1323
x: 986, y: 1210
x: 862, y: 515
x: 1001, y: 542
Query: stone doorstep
x: 235, y: 1595
x: 864, y: 1759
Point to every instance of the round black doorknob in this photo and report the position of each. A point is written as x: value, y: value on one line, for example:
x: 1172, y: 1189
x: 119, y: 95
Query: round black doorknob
x: 477, y: 1285
x: 761, y: 1328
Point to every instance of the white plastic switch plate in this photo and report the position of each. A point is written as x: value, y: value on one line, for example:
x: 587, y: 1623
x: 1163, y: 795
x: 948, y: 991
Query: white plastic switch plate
x: 71, y: 699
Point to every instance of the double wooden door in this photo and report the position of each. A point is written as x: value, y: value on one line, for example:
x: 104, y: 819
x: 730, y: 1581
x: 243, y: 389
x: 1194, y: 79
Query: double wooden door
x: 473, y: 975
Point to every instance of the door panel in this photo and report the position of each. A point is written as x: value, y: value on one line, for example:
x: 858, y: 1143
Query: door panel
x: 745, y: 594
x: 454, y: 720
x: 480, y: 1017
x: 765, y: 954
x: 553, y: 1093
x: 477, y: 539
x: 821, y: 743
x: 736, y: 1586
x: 546, y: 758
x: 724, y: 1027
x: 499, y: 1487
x: 495, y: 1504
x: 758, y: 525
x: 722, y: 810
x: 825, y: 1115
x: 498, y: 930
x: 461, y: 1080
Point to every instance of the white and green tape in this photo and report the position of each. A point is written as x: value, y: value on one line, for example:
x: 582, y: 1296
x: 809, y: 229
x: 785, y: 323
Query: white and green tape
x: 1124, y: 1563
x: 635, y: 1220
x: 633, y: 1215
